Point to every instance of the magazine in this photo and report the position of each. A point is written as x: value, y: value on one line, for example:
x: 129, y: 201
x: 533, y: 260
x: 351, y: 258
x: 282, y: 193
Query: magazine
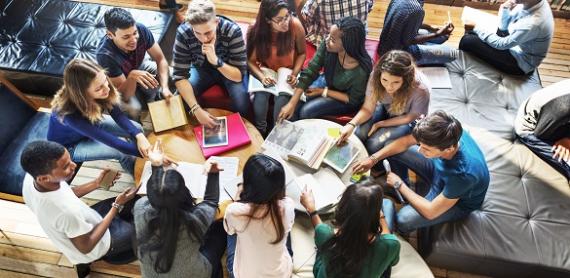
x: 217, y: 135
x: 254, y: 85
x: 340, y: 157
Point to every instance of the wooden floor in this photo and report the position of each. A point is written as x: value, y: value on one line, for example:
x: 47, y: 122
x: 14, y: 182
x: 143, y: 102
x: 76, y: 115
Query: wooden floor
x: 25, y: 251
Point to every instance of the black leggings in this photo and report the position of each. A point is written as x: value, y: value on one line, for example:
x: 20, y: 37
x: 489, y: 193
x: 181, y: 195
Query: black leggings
x: 500, y: 59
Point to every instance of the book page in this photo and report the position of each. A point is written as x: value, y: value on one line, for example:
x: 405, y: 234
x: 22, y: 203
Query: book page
x: 255, y: 85
x: 339, y: 158
x: 228, y: 177
x: 167, y: 116
x: 307, y: 145
x: 283, y: 138
x: 282, y: 85
x: 483, y: 19
x: 326, y: 186
x: 437, y: 77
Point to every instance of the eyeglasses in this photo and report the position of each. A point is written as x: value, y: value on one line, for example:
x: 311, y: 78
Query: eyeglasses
x: 281, y: 20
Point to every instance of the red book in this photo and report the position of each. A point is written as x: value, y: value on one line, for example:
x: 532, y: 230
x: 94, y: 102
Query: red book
x: 237, y: 136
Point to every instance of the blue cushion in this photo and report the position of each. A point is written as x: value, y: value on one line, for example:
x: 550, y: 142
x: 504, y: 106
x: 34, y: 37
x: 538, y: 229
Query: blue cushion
x: 14, y: 113
x: 35, y: 129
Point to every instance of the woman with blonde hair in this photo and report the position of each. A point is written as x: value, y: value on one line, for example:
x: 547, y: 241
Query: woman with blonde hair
x: 396, y: 95
x: 77, y: 120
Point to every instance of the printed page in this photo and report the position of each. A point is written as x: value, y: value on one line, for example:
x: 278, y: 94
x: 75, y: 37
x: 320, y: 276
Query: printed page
x: 255, y: 85
x: 283, y: 138
x: 167, y: 116
x: 282, y: 85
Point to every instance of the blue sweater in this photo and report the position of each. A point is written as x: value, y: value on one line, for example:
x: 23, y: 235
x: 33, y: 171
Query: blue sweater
x: 76, y: 127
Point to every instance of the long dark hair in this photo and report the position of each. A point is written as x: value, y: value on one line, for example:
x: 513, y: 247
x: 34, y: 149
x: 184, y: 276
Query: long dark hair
x: 356, y: 217
x: 259, y: 35
x: 172, y: 205
x: 263, y: 187
x: 353, y: 41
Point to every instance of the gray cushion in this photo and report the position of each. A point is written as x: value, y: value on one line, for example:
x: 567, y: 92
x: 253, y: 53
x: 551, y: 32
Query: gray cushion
x: 523, y: 227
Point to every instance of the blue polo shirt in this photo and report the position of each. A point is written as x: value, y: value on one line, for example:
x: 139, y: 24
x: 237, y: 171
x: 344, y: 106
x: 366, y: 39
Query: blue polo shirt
x: 465, y: 176
x: 118, y: 62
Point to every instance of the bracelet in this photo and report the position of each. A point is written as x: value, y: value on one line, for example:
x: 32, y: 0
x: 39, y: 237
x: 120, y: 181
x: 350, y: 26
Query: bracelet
x: 349, y: 123
x: 313, y: 213
x: 325, y: 92
x: 194, y: 108
x: 373, y: 158
x: 118, y: 206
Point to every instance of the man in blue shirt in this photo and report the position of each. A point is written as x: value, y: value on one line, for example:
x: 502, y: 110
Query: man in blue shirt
x: 446, y: 158
x: 526, y: 28
x: 121, y: 52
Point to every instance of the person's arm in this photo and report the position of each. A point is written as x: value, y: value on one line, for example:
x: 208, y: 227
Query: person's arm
x: 397, y: 146
x: 428, y: 209
x: 300, y: 47
x: 256, y: 71
x: 236, y: 66
x: 308, y: 201
x: 520, y: 35
x: 155, y: 52
x: 384, y: 224
x: 86, y: 242
x: 85, y: 128
x: 121, y: 119
x: 84, y: 189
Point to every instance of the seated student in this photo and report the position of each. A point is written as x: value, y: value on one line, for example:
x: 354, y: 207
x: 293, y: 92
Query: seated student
x: 543, y: 125
x: 83, y: 234
x: 342, y: 87
x: 319, y: 15
x: 404, y: 29
x: 276, y: 40
x: 171, y: 227
x: 446, y: 158
x: 259, y: 221
x: 395, y: 96
x: 360, y: 243
x: 209, y: 50
x: 521, y: 43
x: 77, y: 120
x: 121, y: 53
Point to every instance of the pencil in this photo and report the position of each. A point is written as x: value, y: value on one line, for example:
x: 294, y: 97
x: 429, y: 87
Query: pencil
x: 449, y: 16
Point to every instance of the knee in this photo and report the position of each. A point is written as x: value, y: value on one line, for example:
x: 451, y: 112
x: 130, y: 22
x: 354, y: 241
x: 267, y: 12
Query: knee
x: 373, y: 144
x: 467, y: 41
x: 405, y: 219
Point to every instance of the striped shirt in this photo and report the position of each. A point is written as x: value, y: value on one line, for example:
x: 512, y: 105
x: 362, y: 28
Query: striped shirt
x: 187, y: 51
x: 401, y: 24
x: 320, y: 15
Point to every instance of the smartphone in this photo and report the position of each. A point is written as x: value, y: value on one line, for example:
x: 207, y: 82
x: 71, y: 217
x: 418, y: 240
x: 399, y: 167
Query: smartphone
x: 108, y: 179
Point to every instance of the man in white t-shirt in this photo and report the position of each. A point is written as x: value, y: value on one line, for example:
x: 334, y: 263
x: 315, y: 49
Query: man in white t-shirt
x: 82, y: 233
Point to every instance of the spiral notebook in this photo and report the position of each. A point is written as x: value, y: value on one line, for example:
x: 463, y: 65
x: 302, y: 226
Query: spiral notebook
x: 237, y: 136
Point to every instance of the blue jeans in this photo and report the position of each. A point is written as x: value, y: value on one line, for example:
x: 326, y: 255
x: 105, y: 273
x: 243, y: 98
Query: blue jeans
x: 260, y: 108
x: 214, y: 246
x: 89, y: 149
x: 389, y: 213
x: 543, y: 149
x: 142, y: 95
x: 232, y: 240
x: 378, y: 140
x: 202, y: 78
x: 436, y: 54
x: 408, y: 218
x: 122, y: 230
x: 316, y: 107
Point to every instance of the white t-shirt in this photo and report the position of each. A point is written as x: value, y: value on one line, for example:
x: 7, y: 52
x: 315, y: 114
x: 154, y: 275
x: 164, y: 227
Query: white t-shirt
x: 63, y: 216
x: 255, y: 256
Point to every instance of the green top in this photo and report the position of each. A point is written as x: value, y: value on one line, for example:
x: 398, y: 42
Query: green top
x: 384, y: 254
x: 352, y: 82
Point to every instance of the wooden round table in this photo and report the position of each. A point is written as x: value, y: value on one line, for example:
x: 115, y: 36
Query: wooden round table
x: 180, y: 144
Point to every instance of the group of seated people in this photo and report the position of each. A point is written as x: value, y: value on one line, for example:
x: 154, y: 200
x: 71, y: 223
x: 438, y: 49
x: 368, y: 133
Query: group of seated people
x: 173, y: 235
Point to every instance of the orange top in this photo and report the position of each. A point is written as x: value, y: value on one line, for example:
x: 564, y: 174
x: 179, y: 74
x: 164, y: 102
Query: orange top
x: 288, y: 60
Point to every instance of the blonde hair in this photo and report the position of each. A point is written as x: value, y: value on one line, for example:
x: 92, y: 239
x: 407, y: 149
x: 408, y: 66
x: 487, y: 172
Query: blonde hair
x: 77, y: 77
x: 200, y: 12
x: 397, y: 63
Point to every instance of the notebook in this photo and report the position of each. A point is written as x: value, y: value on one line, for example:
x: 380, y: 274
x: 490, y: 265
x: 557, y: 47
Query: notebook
x: 167, y: 116
x: 237, y: 136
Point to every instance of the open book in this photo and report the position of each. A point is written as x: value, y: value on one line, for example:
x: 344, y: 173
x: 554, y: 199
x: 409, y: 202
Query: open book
x: 167, y: 116
x: 326, y: 186
x: 305, y: 146
x: 254, y: 85
x: 195, y: 179
x: 339, y: 158
x: 483, y: 19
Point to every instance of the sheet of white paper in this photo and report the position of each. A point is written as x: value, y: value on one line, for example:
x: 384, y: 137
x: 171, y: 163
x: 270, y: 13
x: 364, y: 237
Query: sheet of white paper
x: 228, y: 177
x: 483, y: 19
x: 437, y: 77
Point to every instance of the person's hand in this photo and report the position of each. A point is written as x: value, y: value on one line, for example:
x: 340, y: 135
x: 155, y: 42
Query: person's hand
x: 166, y: 94
x: 469, y: 25
x: 376, y: 126
x: 363, y: 165
x: 126, y: 195
x: 292, y: 80
x: 143, y: 145
x: 308, y: 199
x: 345, y: 133
x: 314, y: 92
x: 144, y: 78
x: 392, y: 178
x: 509, y: 4
x: 561, y: 149
x: 209, y: 50
x: 205, y: 118
x: 445, y: 30
x: 286, y: 111
x: 212, y: 167
x: 102, y: 175
x: 268, y: 81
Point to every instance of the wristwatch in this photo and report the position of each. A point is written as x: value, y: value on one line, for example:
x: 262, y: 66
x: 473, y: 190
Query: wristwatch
x: 219, y: 63
x: 397, y: 185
